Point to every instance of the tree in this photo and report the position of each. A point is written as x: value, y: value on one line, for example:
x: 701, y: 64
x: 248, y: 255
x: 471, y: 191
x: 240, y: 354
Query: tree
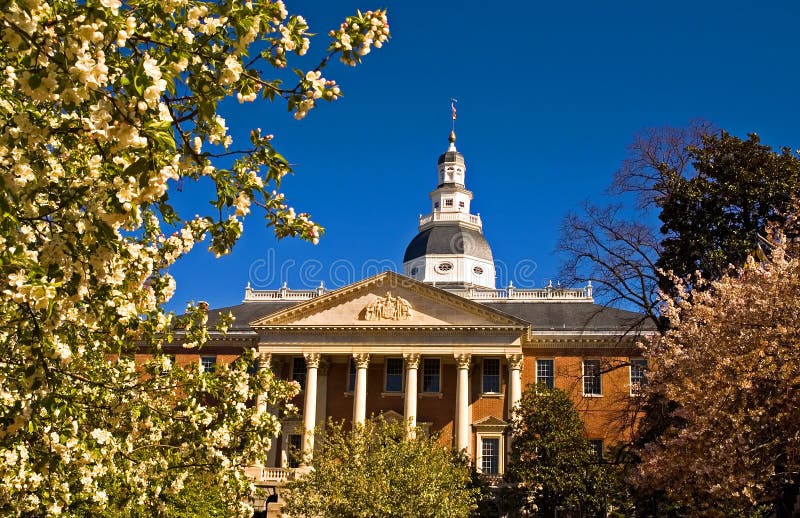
x: 614, y: 245
x: 730, y: 365
x: 553, y: 468
x: 106, y: 106
x: 372, y: 471
x: 718, y: 216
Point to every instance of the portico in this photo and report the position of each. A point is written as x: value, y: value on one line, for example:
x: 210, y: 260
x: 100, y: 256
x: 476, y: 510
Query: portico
x: 424, y: 346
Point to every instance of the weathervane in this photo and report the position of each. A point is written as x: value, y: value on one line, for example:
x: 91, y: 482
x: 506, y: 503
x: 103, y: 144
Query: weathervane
x: 453, y: 111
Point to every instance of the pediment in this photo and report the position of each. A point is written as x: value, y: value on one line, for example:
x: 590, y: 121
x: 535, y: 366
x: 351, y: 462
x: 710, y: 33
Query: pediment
x: 386, y: 300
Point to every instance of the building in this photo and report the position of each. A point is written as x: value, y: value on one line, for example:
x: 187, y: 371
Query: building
x: 439, y: 346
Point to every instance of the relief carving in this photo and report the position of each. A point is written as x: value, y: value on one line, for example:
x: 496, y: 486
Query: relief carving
x: 388, y: 308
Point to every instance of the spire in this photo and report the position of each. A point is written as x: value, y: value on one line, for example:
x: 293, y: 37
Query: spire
x: 452, y: 137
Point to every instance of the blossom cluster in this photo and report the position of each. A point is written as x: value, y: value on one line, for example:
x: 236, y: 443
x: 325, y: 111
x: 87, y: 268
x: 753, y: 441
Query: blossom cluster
x: 106, y: 109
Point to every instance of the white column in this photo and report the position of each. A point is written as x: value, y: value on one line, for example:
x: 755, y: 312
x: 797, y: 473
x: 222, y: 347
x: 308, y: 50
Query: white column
x: 264, y: 362
x: 360, y: 399
x: 410, y: 409
x: 462, y: 402
x: 322, y: 393
x: 310, y: 407
x: 514, y: 383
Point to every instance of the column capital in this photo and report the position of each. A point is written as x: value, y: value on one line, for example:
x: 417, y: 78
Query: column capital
x: 312, y: 360
x: 362, y: 360
x: 264, y: 360
x: 412, y: 360
x: 463, y: 360
x: 514, y: 361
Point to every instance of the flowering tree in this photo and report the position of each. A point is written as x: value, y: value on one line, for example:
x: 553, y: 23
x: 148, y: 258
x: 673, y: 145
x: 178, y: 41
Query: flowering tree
x: 731, y: 366
x: 105, y: 105
x: 373, y: 471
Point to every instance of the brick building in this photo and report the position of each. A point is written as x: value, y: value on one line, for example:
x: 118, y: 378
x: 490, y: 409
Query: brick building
x: 439, y: 346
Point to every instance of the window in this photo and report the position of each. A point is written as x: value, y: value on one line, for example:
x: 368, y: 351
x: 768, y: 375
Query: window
x: 591, y: 378
x: 436, y: 205
x: 478, y: 270
x: 431, y: 375
x: 461, y: 204
x: 597, y: 447
x: 544, y: 373
x: 448, y: 203
x: 394, y: 375
x: 295, y: 452
x: 351, y: 376
x: 444, y: 267
x: 414, y: 271
x: 490, y: 456
x: 299, y: 371
x: 208, y: 363
x: 491, y: 375
x: 638, y: 376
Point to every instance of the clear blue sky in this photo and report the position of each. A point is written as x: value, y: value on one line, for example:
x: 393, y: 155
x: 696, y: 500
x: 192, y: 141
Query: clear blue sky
x: 550, y: 94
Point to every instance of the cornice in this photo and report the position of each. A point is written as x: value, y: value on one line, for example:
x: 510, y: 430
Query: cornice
x: 394, y: 329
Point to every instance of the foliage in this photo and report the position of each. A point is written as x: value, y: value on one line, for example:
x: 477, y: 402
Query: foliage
x: 714, y: 218
x: 372, y: 471
x: 730, y: 365
x: 104, y: 106
x: 552, y: 467
x: 617, y: 248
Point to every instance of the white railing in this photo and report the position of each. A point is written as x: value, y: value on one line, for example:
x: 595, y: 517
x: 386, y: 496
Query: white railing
x: 549, y: 293
x: 282, y: 294
x: 261, y: 474
x: 471, y: 219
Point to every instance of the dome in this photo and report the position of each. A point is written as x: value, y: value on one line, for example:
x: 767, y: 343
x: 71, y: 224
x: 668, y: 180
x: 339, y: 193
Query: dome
x: 448, y: 239
x: 451, y: 157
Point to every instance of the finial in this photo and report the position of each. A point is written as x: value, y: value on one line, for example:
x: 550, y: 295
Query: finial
x: 452, y: 137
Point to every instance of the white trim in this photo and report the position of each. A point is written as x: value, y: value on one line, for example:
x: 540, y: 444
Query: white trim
x: 599, y: 376
x: 479, y: 437
x: 213, y: 363
x: 386, y: 376
x: 499, y: 391
x: 422, y: 390
x: 636, y: 389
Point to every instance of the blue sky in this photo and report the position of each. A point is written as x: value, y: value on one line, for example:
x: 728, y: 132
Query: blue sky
x: 549, y: 96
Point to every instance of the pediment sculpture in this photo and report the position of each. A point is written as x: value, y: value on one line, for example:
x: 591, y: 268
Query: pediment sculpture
x: 388, y: 308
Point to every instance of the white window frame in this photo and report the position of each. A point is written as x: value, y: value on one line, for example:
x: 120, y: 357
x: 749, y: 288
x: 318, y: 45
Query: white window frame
x: 213, y: 366
x: 636, y: 387
x: 480, y: 436
x: 499, y: 376
x: 553, y: 374
x: 599, y: 393
x: 402, y: 378
x: 288, y: 428
x: 422, y: 376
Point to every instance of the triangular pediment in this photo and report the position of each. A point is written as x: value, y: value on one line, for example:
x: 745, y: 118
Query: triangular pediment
x: 491, y: 421
x: 389, y: 299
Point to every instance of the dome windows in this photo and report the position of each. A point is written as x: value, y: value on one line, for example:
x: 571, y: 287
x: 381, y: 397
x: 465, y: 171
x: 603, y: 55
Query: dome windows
x: 477, y: 270
x: 444, y: 267
x: 414, y: 271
